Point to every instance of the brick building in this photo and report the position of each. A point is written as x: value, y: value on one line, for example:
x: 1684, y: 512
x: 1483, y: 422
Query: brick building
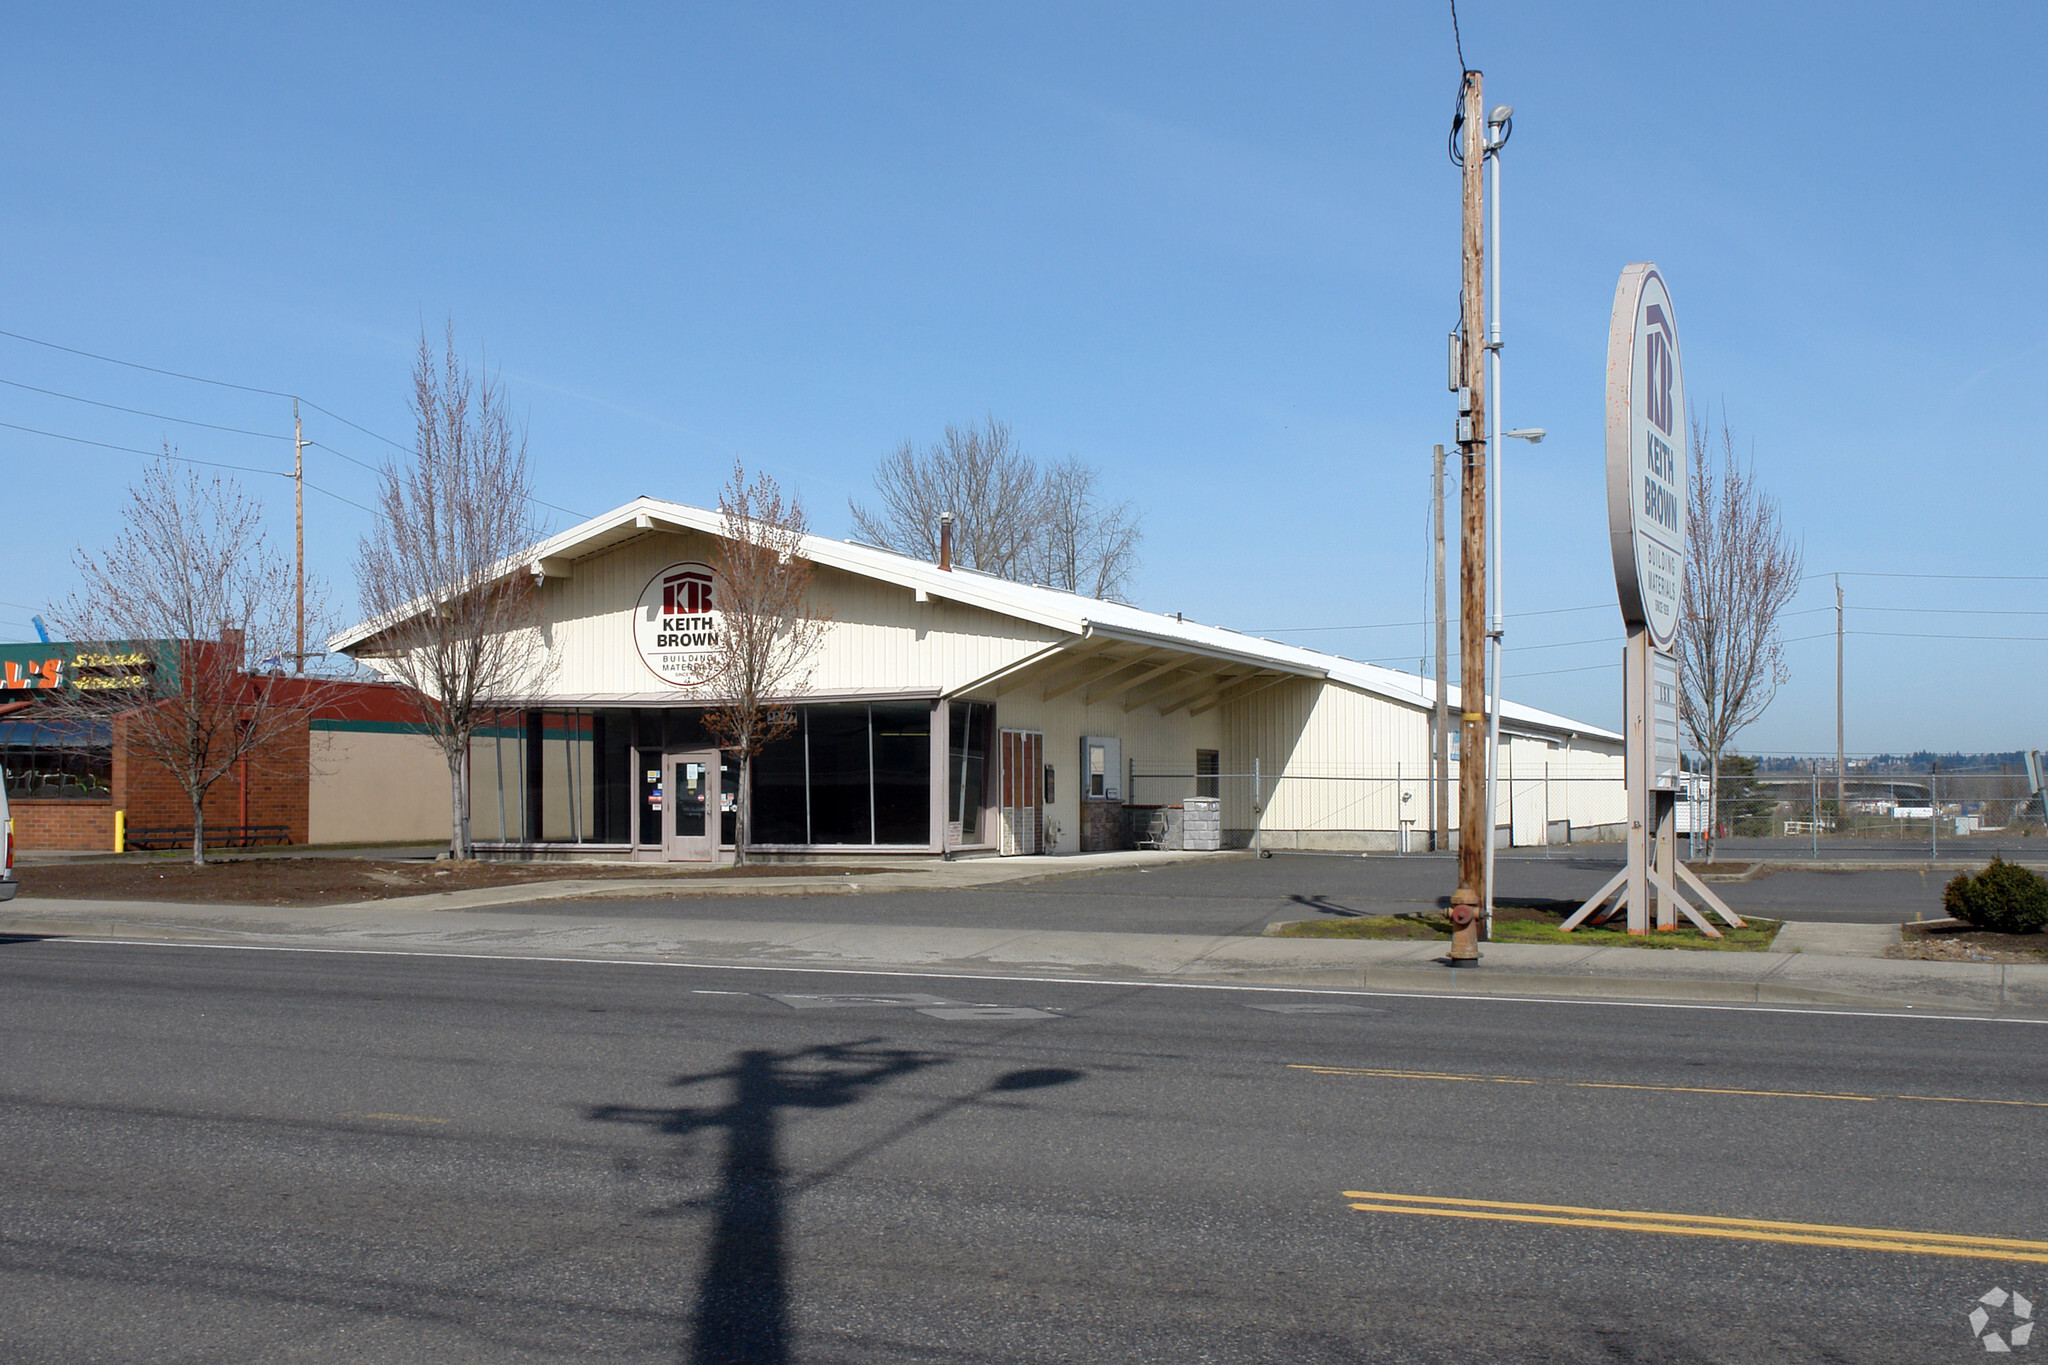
x: 357, y: 770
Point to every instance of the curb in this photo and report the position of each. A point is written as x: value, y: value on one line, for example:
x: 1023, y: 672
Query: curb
x: 1792, y: 981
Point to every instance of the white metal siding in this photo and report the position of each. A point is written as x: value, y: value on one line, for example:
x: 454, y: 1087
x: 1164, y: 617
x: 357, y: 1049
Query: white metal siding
x: 880, y: 638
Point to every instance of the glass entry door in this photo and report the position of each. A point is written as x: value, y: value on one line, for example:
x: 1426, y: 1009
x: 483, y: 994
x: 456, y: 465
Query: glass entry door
x: 690, y: 806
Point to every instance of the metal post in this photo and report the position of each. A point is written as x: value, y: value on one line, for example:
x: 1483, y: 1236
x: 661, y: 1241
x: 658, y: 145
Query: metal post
x: 299, y: 539
x: 1440, y: 831
x: 1814, y: 823
x: 1258, y: 803
x: 1840, y: 803
x: 1475, y: 822
x: 1496, y: 624
x: 1636, y: 726
x: 1934, y: 807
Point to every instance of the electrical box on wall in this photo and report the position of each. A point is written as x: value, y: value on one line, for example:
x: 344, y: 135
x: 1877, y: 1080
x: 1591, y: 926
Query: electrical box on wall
x: 1102, y: 765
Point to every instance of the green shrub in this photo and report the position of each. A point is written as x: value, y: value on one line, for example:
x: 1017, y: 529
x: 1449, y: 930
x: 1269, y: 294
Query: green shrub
x: 2004, y: 898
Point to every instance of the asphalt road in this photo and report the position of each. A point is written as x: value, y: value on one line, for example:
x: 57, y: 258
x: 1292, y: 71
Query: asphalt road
x: 1244, y: 895
x: 257, y: 1155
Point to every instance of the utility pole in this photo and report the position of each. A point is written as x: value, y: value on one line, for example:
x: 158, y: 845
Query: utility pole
x: 299, y: 539
x: 1841, y: 811
x: 1441, y: 815
x: 1475, y: 821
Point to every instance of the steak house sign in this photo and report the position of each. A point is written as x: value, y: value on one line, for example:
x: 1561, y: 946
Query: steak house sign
x: 675, y: 623
x: 1646, y: 454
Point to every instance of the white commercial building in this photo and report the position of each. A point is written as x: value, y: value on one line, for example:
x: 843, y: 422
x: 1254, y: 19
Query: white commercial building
x: 951, y: 710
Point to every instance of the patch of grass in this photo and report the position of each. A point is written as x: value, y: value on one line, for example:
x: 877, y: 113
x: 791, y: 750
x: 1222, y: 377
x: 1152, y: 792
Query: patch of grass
x: 1537, y: 923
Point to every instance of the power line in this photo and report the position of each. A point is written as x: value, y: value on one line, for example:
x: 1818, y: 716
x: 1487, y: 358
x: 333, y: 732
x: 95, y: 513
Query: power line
x: 1950, y: 611
x: 339, y: 498
x: 1553, y: 672
x: 1947, y: 577
x: 1912, y: 635
x: 226, y: 384
x: 346, y: 456
x: 159, y: 416
x: 200, y: 379
x: 153, y: 454
x: 1409, y: 625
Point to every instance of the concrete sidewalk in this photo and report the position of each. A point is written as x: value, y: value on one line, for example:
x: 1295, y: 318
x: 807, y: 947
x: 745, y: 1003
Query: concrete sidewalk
x: 1797, y: 978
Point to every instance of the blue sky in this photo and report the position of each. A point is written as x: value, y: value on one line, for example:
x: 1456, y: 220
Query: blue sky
x: 1211, y: 250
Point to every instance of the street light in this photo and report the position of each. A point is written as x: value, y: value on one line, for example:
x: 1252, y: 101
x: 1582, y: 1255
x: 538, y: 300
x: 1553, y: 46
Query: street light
x: 1499, y: 127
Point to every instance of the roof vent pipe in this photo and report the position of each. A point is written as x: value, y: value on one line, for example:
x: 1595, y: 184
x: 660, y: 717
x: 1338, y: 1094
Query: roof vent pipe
x: 946, y: 541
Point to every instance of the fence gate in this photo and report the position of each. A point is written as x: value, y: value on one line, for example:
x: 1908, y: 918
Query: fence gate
x: 1023, y: 791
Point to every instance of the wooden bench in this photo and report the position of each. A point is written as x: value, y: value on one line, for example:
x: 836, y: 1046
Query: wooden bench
x: 217, y: 836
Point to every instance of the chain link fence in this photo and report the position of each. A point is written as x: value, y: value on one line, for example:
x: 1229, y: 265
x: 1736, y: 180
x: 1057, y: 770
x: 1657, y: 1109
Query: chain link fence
x: 1538, y: 804
x: 1781, y: 811
x: 1895, y: 812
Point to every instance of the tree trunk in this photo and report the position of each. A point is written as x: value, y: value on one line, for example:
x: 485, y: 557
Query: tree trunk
x: 199, y: 828
x: 740, y: 809
x: 457, y: 847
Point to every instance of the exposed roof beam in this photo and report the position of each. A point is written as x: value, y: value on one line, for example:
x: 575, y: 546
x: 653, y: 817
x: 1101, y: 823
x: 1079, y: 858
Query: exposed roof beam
x: 1178, y: 676
x: 1239, y: 692
x: 1150, y: 667
x: 1013, y: 675
x: 1188, y: 671
x: 1208, y: 682
x: 1090, y: 670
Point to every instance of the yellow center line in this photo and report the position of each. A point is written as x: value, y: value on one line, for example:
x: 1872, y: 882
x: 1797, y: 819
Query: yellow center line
x: 1704, y: 1225
x: 1769, y: 1224
x: 1848, y: 1096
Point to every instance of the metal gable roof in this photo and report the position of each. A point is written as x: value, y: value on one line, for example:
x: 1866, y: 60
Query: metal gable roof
x: 1069, y: 613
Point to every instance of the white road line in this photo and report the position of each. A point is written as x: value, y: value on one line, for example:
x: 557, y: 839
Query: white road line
x: 899, y: 973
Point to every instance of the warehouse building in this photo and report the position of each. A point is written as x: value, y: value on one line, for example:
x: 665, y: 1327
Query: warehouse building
x: 954, y: 712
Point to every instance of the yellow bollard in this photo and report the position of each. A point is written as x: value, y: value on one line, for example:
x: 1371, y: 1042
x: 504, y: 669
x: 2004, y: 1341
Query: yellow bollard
x: 120, y: 831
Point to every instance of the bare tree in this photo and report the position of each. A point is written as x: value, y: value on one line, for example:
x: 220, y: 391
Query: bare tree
x: 165, y: 625
x: 1742, y: 570
x: 1012, y: 518
x: 441, y: 571
x: 769, y: 632
x: 1083, y: 544
x: 979, y: 475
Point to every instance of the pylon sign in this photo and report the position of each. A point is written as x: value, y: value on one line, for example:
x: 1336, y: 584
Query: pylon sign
x: 1646, y: 489
x: 1646, y: 454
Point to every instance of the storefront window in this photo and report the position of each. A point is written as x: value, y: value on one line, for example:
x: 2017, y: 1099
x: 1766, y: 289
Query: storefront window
x: 848, y: 774
x: 52, y: 760
x: 781, y: 808
x: 842, y: 810
x: 967, y: 767
x: 903, y: 771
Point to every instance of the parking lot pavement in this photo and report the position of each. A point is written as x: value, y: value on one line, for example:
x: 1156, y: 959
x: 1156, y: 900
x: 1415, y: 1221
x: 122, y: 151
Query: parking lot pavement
x: 1244, y: 895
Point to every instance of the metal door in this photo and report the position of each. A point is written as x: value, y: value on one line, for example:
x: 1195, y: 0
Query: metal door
x: 688, y: 810
x: 1021, y: 817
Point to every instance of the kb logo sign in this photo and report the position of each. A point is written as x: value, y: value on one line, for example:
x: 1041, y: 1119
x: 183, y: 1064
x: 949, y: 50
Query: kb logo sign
x: 676, y: 622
